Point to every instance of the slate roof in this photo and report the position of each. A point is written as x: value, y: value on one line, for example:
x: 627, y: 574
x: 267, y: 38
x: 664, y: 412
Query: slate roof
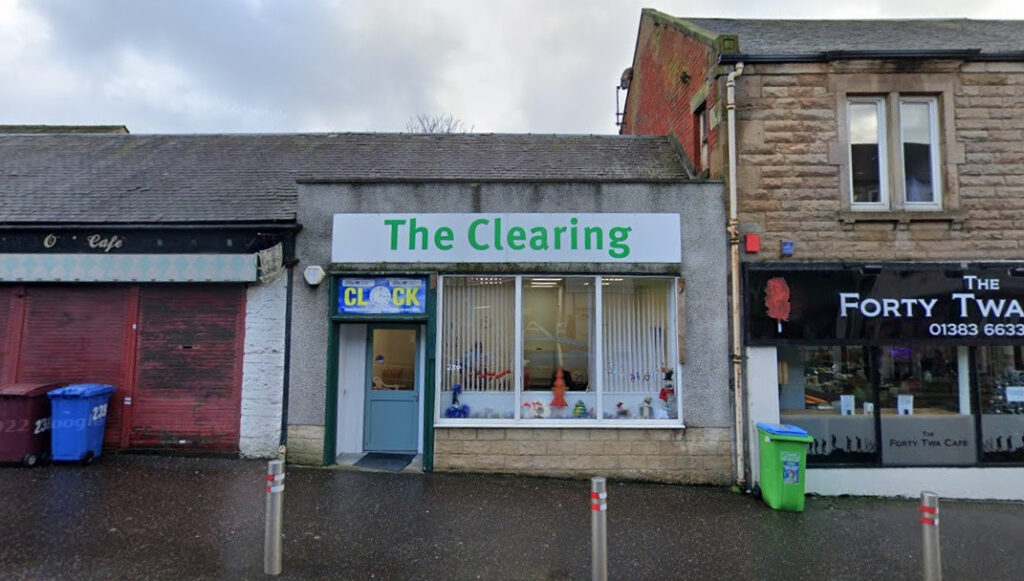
x: 817, y: 37
x: 94, y: 178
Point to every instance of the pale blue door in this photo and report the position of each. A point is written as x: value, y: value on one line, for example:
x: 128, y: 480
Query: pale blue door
x: 391, y: 417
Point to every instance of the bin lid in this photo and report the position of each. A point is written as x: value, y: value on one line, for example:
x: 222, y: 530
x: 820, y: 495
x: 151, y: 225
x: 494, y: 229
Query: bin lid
x: 82, y: 390
x: 27, y: 389
x: 781, y: 429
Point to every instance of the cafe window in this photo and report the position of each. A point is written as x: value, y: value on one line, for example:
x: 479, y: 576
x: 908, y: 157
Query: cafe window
x: 894, y: 405
x: 1000, y: 373
x: 558, y: 350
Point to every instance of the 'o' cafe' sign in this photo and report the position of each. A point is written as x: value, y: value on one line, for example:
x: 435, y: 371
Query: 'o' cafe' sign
x: 863, y: 304
x: 505, y: 238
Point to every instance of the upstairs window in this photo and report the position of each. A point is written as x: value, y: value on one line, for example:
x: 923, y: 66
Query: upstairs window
x: 700, y: 122
x: 894, y: 153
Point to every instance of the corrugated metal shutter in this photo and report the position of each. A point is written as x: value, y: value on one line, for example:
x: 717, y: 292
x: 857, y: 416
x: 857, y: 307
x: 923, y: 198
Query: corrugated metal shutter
x: 188, y: 390
x: 77, y: 334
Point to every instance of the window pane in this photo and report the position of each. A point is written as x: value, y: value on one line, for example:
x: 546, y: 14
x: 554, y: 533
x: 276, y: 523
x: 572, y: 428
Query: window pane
x: 916, y: 134
x: 558, y: 314
x: 636, y: 343
x: 925, y: 418
x: 1000, y: 371
x: 826, y: 391
x: 865, y: 161
x: 478, y: 347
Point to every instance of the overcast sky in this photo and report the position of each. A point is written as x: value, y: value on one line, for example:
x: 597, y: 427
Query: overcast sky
x: 271, y: 66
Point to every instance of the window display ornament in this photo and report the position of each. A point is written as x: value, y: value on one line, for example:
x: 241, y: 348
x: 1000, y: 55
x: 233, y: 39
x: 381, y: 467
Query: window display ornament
x: 621, y: 410
x: 668, y: 391
x: 579, y: 410
x: 558, y: 389
x: 457, y: 410
x: 646, y: 411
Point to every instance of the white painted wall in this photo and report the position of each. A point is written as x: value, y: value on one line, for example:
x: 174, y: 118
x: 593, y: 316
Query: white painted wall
x: 964, y: 483
x: 351, y: 388
x: 263, y: 369
x: 762, y: 399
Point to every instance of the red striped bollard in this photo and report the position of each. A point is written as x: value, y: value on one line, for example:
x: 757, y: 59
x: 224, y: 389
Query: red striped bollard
x: 275, y: 512
x: 930, y: 536
x: 599, y: 529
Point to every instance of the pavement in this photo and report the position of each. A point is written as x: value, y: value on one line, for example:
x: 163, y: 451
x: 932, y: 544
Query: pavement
x: 133, y: 516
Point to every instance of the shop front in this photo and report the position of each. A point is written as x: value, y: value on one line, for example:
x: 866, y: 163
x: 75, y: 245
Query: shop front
x: 177, y: 319
x: 908, y: 376
x: 518, y: 337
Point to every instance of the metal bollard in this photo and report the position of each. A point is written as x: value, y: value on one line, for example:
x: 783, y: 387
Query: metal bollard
x: 599, y: 529
x: 275, y: 512
x: 930, y: 536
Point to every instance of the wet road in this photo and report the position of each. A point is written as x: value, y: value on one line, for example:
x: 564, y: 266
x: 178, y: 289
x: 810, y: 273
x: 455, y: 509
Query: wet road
x: 152, y: 517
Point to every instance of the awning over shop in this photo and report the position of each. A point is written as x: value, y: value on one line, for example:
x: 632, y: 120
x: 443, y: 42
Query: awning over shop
x: 127, y: 268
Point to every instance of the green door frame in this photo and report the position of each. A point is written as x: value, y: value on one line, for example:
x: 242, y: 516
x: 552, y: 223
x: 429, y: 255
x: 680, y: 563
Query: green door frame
x: 334, y: 322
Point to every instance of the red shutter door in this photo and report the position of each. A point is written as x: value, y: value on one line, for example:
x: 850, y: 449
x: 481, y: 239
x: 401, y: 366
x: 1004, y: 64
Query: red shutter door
x: 8, y: 336
x: 188, y: 391
x: 77, y: 335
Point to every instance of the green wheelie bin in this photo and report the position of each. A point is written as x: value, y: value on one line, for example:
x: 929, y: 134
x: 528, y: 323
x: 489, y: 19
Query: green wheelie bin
x: 783, y: 465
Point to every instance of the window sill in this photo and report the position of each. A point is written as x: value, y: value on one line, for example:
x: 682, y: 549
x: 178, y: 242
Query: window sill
x: 540, y: 424
x: 901, y: 220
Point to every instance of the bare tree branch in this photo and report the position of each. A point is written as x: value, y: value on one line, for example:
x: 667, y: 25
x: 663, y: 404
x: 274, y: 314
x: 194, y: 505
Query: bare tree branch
x: 436, y: 123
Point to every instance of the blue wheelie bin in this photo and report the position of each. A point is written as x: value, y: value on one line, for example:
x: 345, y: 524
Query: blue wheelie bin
x: 79, y: 418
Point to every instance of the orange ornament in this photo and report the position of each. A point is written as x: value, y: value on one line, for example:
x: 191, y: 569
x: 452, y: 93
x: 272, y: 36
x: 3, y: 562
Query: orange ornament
x: 558, y: 389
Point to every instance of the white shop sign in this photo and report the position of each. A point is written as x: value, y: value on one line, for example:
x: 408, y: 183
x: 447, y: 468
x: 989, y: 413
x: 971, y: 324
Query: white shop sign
x: 499, y: 238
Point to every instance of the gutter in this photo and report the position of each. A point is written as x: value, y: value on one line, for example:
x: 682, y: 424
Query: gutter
x: 734, y: 281
x: 846, y: 55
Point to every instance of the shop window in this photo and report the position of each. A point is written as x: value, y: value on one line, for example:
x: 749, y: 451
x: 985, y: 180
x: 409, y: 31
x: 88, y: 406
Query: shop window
x: 558, y: 319
x: 636, y: 318
x: 477, y: 350
x: 894, y: 153
x: 592, y: 349
x: 926, y: 413
x: 1000, y: 373
x: 826, y: 391
x: 915, y: 398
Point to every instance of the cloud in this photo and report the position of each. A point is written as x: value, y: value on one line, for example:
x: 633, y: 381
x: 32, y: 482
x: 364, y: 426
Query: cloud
x: 348, y: 65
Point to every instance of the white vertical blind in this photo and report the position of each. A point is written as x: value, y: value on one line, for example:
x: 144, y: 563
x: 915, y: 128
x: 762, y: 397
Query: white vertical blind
x: 478, y: 331
x: 635, y: 342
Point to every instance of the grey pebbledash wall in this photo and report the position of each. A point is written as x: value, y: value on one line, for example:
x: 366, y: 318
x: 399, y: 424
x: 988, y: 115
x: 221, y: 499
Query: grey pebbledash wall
x: 700, y: 453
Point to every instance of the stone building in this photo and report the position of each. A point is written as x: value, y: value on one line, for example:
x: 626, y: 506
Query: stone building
x: 872, y: 164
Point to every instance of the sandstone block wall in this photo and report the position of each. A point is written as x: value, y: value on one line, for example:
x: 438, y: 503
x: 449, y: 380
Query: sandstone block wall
x: 305, y: 445
x: 790, y: 155
x: 692, y: 456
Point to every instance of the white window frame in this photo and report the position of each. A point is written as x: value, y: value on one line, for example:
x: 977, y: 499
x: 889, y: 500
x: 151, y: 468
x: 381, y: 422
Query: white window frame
x: 934, y: 154
x: 883, y: 154
x: 597, y: 365
x: 892, y: 174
